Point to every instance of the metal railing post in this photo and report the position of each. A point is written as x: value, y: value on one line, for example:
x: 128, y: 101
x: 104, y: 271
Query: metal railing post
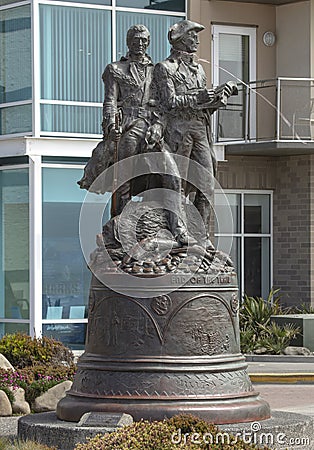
x: 278, y: 109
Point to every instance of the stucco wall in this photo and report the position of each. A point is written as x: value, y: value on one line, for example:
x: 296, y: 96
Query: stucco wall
x: 263, y: 17
x: 293, y: 40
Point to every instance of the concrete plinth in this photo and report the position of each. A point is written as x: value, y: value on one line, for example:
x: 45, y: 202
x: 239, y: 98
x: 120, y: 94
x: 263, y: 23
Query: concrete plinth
x: 282, y: 431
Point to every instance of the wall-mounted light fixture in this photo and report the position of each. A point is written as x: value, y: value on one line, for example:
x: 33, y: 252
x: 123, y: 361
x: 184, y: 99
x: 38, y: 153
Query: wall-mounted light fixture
x: 269, y: 38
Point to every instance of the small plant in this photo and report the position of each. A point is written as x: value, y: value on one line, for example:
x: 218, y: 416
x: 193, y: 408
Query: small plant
x: 276, y: 338
x: 257, y: 332
x: 303, y: 308
x: 22, y: 351
x: 34, y: 380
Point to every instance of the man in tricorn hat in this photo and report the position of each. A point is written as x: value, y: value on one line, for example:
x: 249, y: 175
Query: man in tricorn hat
x: 187, y: 104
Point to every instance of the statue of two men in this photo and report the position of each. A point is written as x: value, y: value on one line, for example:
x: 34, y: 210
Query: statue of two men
x: 163, y: 108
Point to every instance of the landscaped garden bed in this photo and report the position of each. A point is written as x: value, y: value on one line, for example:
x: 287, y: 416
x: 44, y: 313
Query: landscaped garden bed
x: 35, y: 373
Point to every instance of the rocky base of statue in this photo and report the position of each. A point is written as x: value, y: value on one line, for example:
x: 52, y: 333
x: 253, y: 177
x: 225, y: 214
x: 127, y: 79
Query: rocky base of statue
x: 141, y: 243
x: 173, y: 349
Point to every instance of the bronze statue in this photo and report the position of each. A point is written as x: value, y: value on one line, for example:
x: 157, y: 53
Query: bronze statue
x: 163, y: 329
x: 187, y: 105
x: 167, y: 110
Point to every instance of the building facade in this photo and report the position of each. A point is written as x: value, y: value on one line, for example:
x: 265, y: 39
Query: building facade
x: 52, y: 56
x: 267, y: 134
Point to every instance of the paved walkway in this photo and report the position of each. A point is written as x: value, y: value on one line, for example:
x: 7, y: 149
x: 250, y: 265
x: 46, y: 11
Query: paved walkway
x: 298, y: 398
x: 281, y: 372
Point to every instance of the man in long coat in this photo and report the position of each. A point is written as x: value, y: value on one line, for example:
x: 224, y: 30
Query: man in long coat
x: 186, y: 105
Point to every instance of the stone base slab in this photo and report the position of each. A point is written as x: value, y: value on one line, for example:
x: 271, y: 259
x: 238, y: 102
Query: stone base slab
x: 283, y: 430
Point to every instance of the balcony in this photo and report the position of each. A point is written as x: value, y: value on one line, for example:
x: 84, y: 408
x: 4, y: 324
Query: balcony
x: 269, y: 117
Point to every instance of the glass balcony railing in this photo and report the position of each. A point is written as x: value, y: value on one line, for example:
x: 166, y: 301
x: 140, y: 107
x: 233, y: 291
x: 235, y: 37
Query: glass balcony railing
x: 280, y: 109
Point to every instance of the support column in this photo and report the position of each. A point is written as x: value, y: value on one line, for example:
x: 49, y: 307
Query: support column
x: 35, y: 241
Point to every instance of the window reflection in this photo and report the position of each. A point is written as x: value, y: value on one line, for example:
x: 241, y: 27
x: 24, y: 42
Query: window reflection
x: 166, y: 5
x: 14, y: 245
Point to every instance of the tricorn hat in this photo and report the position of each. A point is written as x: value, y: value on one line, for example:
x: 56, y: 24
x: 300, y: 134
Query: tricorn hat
x: 180, y: 28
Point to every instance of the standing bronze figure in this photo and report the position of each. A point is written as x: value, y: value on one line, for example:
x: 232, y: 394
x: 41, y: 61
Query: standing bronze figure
x: 187, y: 105
x: 132, y: 126
x: 163, y: 328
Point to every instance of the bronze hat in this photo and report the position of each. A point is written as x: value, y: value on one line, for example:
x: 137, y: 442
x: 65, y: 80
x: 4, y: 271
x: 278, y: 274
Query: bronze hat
x: 180, y: 28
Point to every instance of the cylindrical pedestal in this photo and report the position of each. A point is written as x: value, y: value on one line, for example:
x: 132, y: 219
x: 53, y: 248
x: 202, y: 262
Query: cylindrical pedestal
x: 159, y: 356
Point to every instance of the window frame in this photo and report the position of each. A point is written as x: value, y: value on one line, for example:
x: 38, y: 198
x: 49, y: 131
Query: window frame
x: 36, y: 100
x: 242, y: 235
x: 4, y: 320
x: 250, y: 119
x: 9, y: 6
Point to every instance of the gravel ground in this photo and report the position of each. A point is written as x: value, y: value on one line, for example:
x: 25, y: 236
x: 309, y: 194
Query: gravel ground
x: 8, y: 426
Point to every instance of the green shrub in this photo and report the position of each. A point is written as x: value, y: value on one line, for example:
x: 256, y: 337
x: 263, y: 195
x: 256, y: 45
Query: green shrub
x: 257, y: 332
x: 22, y: 351
x: 165, y: 435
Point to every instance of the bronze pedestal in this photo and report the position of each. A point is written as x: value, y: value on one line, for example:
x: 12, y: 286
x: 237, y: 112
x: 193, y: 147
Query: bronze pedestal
x: 159, y: 356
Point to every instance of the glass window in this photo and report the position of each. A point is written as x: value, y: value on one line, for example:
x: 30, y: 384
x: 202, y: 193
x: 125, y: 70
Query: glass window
x: 15, y: 54
x: 257, y: 266
x: 166, y: 5
x: 11, y: 328
x: 95, y: 2
x: 66, y: 278
x: 256, y: 214
x: 75, y: 48
x: 71, y: 334
x: 16, y: 119
x: 231, y: 246
x: 228, y: 213
x: 7, y: 2
x: 71, y: 119
x: 158, y: 26
x: 14, y: 245
x: 247, y: 239
x: 233, y: 63
x: 235, y: 59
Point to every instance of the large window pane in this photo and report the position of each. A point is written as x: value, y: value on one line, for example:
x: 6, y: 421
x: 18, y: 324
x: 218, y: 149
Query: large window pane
x: 96, y: 2
x: 71, y: 119
x: 7, y: 2
x: 231, y: 246
x: 75, y: 48
x: 166, y: 5
x: 15, y: 54
x: 233, y: 64
x: 257, y: 214
x: 14, y: 244
x: 158, y: 26
x: 11, y: 328
x: 247, y: 231
x: 71, y: 334
x: 257, y: 266
x: 16, y: 119
x: 66, y: 278
x: 228, y: 213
